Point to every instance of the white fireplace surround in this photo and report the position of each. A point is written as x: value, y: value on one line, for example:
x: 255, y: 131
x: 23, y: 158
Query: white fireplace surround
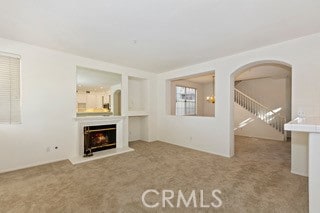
x: 121, y: 142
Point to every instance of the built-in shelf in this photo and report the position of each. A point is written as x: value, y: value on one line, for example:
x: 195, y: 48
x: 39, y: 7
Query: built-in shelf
x: 137, y: 96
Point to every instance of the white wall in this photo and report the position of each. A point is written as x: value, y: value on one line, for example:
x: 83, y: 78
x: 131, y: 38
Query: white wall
x: 48, y: 101
x: 189, y: 131
x: 215, y: 135
x: 246, y: 124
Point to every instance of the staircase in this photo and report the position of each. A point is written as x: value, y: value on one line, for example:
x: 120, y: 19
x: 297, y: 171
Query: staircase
x: 275, y: 120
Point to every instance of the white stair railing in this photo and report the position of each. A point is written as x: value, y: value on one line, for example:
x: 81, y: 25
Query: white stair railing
x: 262, y: 112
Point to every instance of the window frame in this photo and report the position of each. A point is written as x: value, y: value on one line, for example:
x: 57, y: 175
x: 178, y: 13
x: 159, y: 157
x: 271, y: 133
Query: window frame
x: 185, y: 102
x: 14, y: 120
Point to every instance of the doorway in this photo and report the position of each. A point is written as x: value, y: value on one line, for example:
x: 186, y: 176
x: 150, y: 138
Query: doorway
x: 261, y: 105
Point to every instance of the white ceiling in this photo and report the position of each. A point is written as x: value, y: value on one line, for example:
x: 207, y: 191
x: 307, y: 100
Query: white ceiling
x: 158, y: 35
x: 95, y: 80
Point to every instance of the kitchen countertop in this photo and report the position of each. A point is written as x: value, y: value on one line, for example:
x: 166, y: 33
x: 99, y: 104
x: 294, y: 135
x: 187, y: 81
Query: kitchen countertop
x: 312, y: 126
x: 308, y: 124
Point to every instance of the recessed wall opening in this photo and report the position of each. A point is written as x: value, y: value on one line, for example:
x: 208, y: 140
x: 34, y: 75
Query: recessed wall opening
x: 262, y: 100
x: 98, y: 92
x: 192, y: 95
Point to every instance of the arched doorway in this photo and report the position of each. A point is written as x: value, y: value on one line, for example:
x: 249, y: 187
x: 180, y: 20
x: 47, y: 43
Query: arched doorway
x: 254, y: 106
x: 117, y: 102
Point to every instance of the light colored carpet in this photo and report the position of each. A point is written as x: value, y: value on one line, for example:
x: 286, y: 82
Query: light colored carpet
x: 257, y: 179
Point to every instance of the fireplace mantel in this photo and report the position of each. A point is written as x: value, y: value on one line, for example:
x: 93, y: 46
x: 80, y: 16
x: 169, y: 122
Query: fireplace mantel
x: 99, y: 118
x: 122, y: 137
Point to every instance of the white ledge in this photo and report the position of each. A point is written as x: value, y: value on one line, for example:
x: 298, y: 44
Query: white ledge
x: 98, y: 118
x: 308, y: 124
x: 137, y: 113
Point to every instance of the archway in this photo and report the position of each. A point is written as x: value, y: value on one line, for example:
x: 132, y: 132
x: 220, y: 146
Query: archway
x: 271, y: 115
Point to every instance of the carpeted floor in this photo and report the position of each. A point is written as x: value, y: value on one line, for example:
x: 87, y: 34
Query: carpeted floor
x: 257, y: 179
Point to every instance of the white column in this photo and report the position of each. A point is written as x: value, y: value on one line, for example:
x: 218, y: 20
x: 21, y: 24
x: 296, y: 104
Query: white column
x: 314, y: 172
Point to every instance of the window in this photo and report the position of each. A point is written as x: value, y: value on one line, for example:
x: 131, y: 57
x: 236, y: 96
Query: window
x: 185, y: 101
x: 192, y: 95
x: 9, y: 89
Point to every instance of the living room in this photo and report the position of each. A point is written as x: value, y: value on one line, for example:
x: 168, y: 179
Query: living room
x: 44, y: 135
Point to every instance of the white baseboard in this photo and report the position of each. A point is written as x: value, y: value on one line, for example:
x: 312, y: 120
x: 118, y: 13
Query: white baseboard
x: 299, y: 173
x: 30, y: 165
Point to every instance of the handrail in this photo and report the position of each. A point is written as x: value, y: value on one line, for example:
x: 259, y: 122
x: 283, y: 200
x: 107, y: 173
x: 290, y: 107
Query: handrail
x: 253, y: 100
x: 270, y: 117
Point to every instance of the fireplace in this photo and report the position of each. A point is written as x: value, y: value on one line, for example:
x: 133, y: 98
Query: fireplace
x: 99, y: 138
x: 113, y: 139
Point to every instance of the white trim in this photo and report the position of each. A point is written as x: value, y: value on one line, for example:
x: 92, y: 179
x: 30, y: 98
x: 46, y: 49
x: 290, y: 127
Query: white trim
x: 31, y: 165
x: 299, y: 173
x: 10, y: 55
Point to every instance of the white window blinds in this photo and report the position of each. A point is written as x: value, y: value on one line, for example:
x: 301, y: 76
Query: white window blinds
x: 9, y: 89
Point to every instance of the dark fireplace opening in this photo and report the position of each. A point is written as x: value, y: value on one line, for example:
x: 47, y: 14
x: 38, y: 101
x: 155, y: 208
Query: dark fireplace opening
x: 98, y: 138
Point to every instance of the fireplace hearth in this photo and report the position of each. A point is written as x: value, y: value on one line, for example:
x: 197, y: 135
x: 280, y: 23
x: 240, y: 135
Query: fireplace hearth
x: 99, y: 138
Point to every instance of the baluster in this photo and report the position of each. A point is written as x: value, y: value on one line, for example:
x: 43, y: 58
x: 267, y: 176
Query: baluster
x: 247, y: 103
x: 236, y: 96
x: 255, y: 108
x: 242, y: 100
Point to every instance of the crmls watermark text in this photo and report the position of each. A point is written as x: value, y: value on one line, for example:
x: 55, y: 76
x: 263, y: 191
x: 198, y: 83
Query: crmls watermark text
x: 194, y: 199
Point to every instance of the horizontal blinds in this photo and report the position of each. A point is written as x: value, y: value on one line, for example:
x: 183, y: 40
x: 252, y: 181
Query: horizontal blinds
x: 9, y: 90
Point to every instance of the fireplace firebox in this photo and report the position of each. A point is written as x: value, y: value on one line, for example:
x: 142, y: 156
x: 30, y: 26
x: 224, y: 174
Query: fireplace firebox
x: 98, y: 138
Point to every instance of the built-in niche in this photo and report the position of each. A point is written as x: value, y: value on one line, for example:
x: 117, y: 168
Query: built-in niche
x: 192, y: 95
x: 98, y: 92
x: 138, y: 108
x: 137, y: 96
